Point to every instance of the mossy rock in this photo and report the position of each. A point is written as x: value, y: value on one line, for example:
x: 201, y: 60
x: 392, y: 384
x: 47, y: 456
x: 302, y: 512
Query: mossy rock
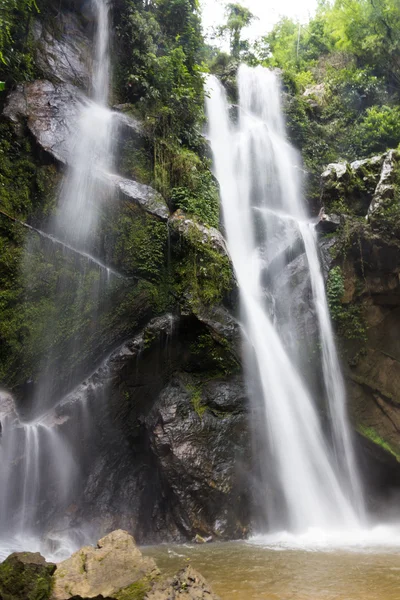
x: 201, y: 268
x: 26, y: 576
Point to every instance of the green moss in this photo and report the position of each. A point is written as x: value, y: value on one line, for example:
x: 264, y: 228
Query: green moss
x: 195, y: 391
x: 202, y: 275
x: 19, y: 581
x: 20, y: 178
x: 347, y: 317
x: 214, y: 355
x: 136, y: 163
x: 139, y: 242
x: 135, y: 591
x: 371, y: 434
x: 59, y: 311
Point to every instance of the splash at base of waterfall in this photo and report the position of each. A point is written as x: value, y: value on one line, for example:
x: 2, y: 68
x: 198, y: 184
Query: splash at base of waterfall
x: 380, y: 537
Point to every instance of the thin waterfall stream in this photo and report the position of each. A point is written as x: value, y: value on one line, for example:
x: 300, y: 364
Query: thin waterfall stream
x: 35, y: 457
x: 264, y: 215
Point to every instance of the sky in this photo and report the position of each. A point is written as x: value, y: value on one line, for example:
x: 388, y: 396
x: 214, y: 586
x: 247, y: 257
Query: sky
x: 267, y: 11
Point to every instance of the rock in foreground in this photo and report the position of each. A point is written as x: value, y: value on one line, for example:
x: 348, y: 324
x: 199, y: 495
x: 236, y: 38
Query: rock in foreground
x: 113, y: 570
x: 186, y: 585
x: 115, y: 564
x: 25, y: 576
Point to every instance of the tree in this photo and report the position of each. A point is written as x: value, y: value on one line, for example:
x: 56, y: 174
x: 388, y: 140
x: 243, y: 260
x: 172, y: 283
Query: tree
x: 238, y: 17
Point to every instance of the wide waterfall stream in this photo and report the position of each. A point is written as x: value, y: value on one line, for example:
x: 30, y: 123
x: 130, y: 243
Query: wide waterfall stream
x: 263, y: 210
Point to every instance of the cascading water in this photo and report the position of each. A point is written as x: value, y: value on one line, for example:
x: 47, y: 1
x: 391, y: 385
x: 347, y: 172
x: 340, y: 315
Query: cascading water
x: 264, y: 217
x: 37, y: 465
x: 90, y: 149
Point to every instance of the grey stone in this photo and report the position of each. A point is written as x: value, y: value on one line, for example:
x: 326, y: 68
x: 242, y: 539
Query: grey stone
x: 63, y: 50
x: 336, y: 170
x: 51, y: 111
x: 328, y: 223
x: 185, y: 226
x: 385, y: 190
x: 186, y: 585
x: 144, y: 195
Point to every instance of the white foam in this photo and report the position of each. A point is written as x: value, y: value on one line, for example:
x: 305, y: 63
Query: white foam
x: 380, y: 538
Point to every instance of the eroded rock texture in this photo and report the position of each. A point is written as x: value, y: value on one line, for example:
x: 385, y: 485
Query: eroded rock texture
x: 365, y: 257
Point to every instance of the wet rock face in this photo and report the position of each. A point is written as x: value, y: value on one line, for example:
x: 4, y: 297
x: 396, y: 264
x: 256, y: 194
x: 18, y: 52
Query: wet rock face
x: 199, y: 436
x: 51, y: 111
x: 167, y: 455
x: 63, y: 50
x: 367, y: 258
x: 371, y: 278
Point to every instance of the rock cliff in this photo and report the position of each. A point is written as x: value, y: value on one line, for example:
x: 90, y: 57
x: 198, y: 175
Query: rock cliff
x: 140, y: 334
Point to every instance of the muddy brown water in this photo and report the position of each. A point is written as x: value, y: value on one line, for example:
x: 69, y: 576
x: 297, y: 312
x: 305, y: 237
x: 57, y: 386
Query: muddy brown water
x: 244, y: 571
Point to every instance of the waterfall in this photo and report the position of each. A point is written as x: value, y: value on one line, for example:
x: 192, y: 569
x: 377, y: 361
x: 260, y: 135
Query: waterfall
x: 90, y: 149
x: 38, y: 467
x: 264, y: 215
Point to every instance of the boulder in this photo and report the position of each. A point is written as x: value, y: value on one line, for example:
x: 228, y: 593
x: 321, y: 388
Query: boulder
x: 145, y: 196
x: 168, y: 454
x: 328, y: 223
x: 186, y: 585
x: 335, y: 171
x: 207, y: 236
x: 116, y: 563
x: 25, y: 576
x: 315, y: 95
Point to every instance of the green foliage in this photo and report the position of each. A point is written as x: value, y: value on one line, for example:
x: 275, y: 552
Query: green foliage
x: 138, y: 241
x: 196, y: 192
x: 160, y: 49
x: 378, y: 131
x: 371, y: 434
x: 202, y: 274
x: 158, y: 67
x: 347, y: 58
x: 237, y: 18
x: 347, y: 317
x: 15, y: 38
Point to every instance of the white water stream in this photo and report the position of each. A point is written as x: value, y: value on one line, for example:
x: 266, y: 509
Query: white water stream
x: 264, y: 214
x: 37, y: 467
x: 91, y: 149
